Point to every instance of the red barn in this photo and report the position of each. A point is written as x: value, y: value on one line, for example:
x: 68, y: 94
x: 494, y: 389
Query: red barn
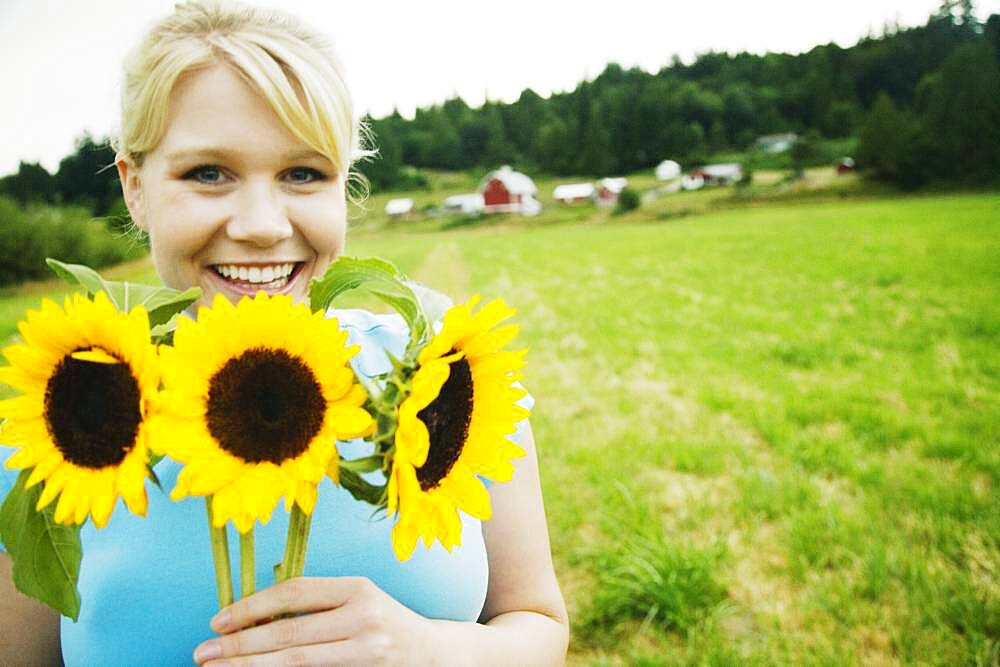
x: 509, y: 191
x: 608, y: 190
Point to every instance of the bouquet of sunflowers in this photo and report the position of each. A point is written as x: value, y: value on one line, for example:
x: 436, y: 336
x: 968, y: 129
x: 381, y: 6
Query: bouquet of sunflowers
x: 251, y: 400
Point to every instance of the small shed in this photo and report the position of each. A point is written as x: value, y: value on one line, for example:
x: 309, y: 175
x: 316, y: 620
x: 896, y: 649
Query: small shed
x: 507, y: 191
x: 399, y: 208
x: 608, y: 190
x: 720, y: 174
x: 469, y: 204
x: 574, y: 193
x: 667, y: 170
x: 692, y: 182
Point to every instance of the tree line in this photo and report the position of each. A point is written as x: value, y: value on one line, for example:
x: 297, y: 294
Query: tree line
x: 924, y: 103
x: 628, y: 119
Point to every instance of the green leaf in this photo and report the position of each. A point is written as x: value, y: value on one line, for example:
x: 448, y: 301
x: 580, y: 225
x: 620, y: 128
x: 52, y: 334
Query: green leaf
x: 161, y: 303
x: 153, y: 478
x: 362, y: 490
x: 77, y: 274
x: 366, y: 464
x: 46, y: 555
x: 380, y: 278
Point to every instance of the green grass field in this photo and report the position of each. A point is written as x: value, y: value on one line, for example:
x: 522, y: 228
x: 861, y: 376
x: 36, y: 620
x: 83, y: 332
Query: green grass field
x: 768, y: 435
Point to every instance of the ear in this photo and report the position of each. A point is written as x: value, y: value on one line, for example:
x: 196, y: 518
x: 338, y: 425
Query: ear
x: 131, y: 182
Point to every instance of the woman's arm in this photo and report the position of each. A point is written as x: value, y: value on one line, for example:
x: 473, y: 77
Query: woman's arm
x: 525, y: 615
x: 30, y: 633
x: 353, y: 622
x: 524, y: 595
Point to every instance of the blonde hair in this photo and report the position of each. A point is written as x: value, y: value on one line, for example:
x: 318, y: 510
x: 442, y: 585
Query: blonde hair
x: 293, y: 68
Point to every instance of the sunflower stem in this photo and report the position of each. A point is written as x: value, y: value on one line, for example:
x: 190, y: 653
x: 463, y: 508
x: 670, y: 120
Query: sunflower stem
x: 220, y: 555
x: 248, y: 564
x: 294, y: 562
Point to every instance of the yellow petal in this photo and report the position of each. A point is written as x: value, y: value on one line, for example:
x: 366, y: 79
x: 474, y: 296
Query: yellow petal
x: 96, y: 355
x: 351, y: 422
x: 44, y: 468
x: 468, y: 491
x: 53, y: 485
x: 404, y: 540
x: 103, y: 504
x: 67, y: 501
x: 29, y: 406
x: 306, y: 497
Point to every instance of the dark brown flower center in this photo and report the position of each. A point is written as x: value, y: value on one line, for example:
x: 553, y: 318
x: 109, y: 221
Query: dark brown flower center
x: 93, y: 411
x: 447, y: 419
x: 265, y: 405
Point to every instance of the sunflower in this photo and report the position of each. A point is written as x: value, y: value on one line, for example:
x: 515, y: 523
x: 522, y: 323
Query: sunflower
x: 453, y: 426
x: 88, y: 377
x: 254, y: 397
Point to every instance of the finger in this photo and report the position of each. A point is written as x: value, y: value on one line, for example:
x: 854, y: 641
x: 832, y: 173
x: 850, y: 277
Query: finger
x: 299, y: 595
x: 339, y: 653
x: 317, y: 628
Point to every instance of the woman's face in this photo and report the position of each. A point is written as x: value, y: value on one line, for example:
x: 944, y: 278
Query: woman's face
x: 233, y: 202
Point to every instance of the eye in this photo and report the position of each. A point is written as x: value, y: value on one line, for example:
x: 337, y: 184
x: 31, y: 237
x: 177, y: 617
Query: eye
x: 302, y: 175
x: 205, y: 173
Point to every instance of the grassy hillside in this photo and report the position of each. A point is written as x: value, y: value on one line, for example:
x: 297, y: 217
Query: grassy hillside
x: 792, y: 411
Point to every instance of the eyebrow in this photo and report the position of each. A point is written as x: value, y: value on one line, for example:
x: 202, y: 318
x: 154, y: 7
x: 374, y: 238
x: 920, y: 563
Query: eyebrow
x: 222, y: 153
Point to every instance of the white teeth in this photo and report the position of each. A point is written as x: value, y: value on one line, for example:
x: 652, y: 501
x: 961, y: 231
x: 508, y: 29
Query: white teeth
x: 255, y: 274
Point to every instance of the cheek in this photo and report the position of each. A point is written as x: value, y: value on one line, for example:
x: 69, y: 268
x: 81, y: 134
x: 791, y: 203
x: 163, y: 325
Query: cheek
x: 179, y: 229
x: 323, y: 223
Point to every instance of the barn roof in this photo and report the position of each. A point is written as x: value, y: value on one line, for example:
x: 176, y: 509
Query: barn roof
x: 515, y: 182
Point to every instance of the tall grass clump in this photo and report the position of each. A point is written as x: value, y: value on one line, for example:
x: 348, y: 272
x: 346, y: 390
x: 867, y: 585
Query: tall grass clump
x: 647, y: 577
x: 30, y: 233
x: 628, y: 200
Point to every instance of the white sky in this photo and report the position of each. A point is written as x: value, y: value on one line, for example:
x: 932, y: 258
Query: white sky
x: 60, y: 59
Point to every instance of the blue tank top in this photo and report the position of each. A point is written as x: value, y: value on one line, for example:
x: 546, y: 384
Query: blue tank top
x: 148, y: 585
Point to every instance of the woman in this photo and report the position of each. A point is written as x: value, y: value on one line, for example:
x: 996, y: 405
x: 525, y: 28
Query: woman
x: 236, y: 144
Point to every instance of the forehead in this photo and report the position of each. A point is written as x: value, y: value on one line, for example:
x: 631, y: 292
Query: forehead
x: 214, y: 111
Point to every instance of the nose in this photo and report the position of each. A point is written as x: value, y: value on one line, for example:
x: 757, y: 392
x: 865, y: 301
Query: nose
x: 260, y: 217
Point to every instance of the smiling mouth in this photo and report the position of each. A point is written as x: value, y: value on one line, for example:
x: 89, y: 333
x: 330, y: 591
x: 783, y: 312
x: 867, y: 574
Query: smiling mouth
x: 251, y: 278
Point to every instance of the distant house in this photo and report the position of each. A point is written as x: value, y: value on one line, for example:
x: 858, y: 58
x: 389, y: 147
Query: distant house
x: 399, y: 208
x: 608, y: 190
x: 507, y: 191
x: 667, y: 170
x: 776, y: 143
x: 467, y: 204
x: 692, y: 182
x: 719, y: 174
x: 845, y: 165
x: 574, y: 193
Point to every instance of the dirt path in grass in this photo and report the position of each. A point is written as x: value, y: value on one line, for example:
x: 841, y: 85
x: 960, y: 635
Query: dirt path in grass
x: 444, y: 269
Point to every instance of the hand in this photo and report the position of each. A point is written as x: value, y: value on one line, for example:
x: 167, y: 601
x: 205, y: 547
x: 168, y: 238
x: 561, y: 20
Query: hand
x: 339, y: 620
